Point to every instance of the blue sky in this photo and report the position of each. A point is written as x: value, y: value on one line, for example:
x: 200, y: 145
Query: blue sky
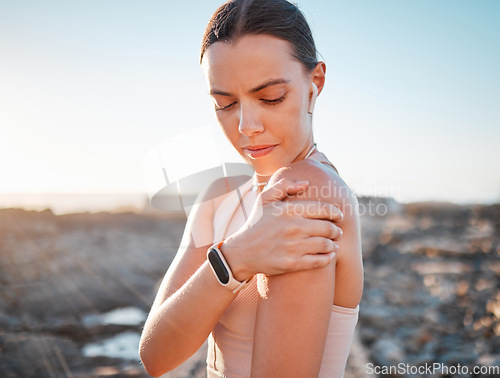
x: 410, y: 107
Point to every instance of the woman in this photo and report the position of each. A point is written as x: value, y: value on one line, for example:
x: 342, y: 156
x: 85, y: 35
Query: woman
x: 260, y: 63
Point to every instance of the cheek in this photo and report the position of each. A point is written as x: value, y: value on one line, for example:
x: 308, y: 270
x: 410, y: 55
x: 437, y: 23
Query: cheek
x: 229, y: 128
x: 295, y: 107
x: 294, y: 119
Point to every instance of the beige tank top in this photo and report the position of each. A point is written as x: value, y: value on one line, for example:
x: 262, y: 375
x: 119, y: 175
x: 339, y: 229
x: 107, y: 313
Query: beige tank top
x: 230, y: 343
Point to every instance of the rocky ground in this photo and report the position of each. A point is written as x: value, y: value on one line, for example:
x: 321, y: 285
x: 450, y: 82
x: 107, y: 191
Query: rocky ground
x: 432, y: 289
x: 432, y: 292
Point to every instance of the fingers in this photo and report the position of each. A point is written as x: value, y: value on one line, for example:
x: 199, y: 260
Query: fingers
x: 314, y: 210
x: 282, y: 189
x: 313, y: 252
x: 325, y: 229
x: 318, y: 244
x: 315, y: 261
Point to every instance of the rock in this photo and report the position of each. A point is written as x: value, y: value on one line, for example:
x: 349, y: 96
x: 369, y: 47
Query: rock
x: 458, y: 357
x: 489, y: 360
x: 28, y: 355
x: 378, y: 206
x: 441, y: 267
x: 433, y: 246
x: 431, y: 283
x: 375, y: 316
x: 387, y: 352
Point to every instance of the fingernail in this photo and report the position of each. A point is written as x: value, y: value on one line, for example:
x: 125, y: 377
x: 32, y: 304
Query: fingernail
x: 302, y: 182
x: 341, y: 233
x: 332, y: 255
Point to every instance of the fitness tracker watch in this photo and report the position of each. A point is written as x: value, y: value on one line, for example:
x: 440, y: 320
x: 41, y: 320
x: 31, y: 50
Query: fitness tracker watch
x: 221, y: 269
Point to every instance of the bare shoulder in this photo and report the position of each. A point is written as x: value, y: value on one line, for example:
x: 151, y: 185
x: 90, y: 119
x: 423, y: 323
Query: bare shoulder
x: 199, y: 225
x: 223, y: 186
x: 198, y: 233
x: 324, y: 184
x: 327, y: 186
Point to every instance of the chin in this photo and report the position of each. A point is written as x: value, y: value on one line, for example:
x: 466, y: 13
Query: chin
x: 268, y: 170
x: 265, y: 166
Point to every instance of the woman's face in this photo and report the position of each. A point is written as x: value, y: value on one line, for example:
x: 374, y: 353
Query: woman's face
x: 261, y: 96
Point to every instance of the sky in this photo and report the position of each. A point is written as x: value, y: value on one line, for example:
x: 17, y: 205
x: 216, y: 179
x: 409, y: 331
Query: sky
x: 90, y: 90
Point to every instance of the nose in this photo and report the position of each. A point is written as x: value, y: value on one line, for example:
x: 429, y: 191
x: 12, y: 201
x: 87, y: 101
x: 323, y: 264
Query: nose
x: 250, y: 122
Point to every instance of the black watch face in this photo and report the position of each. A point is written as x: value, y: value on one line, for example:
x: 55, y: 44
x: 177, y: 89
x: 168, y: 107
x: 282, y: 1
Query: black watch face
x: 218, y: 266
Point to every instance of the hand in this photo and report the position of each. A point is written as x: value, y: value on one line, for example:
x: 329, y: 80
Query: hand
x: 281, y: 236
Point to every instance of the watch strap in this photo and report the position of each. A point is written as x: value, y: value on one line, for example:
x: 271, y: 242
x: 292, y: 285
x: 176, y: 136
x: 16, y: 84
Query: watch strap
x: 221, y: 269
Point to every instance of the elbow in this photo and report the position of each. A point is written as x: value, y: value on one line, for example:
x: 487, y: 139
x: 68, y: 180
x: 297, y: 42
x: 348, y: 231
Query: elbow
x: 156, y: 361
x: 154, y: 366
x: 152, y: 373
x: 149, y: 365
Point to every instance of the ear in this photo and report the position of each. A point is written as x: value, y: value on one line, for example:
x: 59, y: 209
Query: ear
x: 318, y: 76
x: 317, y: 84
x: 314, y: 95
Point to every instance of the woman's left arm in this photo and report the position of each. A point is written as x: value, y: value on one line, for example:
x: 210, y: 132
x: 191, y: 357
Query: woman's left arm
x: 292, y: 321
x: 292, y: 324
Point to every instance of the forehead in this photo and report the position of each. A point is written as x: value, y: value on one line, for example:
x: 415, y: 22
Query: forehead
x: 249, y: 60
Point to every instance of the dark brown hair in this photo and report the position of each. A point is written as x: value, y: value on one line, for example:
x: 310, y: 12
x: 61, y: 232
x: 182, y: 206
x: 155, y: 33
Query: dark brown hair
x: 278, y: 18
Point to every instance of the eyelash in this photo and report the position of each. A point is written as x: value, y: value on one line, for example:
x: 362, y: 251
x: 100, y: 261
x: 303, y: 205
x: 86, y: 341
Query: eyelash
x: 217, y: 109
x: 267, y: 102
x: 275, y: 101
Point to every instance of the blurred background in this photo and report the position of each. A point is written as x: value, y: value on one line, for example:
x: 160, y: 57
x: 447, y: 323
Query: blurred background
x: 92, y: 92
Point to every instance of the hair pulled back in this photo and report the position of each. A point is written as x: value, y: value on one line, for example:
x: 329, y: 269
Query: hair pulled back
x: 278, y: 18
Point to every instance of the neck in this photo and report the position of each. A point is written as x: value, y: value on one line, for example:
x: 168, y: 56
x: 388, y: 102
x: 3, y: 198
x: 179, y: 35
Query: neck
x: 260, y: 181
x: 306, y: 152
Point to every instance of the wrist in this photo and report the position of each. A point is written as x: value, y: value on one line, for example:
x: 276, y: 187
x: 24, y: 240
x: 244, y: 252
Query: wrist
x: 222, y: 270
x: 235, y: 259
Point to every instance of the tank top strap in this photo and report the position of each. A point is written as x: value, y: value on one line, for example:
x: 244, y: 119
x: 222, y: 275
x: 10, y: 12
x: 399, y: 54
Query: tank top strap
x: 320, y: 157
x: 227, y: 208
x: 225, y: 211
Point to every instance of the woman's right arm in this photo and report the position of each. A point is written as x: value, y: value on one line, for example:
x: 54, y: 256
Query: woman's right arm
x: 190, y: 299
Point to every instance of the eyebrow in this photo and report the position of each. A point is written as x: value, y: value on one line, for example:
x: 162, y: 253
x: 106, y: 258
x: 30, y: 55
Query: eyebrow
x: 253, y: 90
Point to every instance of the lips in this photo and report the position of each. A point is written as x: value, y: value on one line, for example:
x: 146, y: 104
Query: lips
x: 258, y: 151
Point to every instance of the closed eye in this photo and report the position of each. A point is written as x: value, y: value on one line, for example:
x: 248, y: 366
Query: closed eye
x: 217, y: 108
x: 273, y: 102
